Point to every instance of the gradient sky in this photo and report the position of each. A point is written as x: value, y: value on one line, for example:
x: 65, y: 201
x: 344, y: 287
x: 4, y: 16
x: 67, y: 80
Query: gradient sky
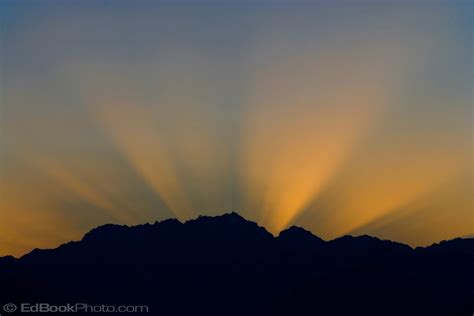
x: 342, y: 117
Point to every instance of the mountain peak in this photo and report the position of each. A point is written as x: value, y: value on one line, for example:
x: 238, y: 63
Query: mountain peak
x: 105, y: 230
x: 298, y: 239
x: 296, y: 232
x: 229, y: 217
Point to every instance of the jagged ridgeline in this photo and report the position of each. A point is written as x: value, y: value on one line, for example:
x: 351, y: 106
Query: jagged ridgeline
x: 226, y: 265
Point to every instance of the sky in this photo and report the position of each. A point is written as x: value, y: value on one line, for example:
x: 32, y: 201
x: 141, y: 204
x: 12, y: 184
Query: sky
x: 343, y: 117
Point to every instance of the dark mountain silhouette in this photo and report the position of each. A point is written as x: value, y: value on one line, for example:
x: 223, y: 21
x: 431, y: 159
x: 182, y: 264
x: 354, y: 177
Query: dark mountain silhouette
x: 226, y: 265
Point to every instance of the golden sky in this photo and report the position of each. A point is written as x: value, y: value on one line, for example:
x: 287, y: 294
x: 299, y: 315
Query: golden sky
x: 341, y: 118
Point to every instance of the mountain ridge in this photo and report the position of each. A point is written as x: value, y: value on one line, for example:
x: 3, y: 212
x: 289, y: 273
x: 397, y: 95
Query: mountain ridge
x: 227, y: 265
x: 234, y: 217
